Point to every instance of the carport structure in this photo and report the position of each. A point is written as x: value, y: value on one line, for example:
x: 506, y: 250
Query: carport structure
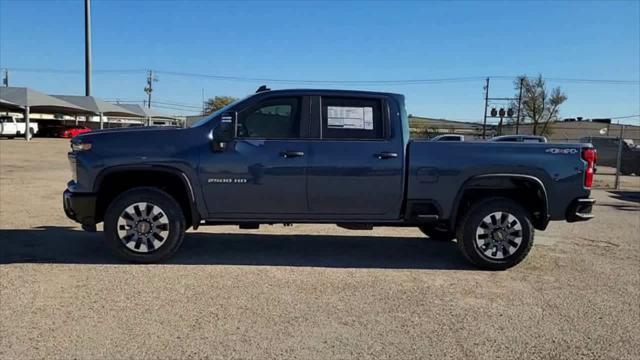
x: 9, y: 106
x: 31, y: 101
x: 145, y: 112
x: 98, y: 107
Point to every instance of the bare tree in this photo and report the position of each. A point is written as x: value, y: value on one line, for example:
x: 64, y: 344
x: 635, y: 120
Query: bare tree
x: 539, y: 107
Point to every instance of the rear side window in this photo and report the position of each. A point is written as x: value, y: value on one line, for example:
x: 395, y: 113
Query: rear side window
x: 271, y: 119
x: 352, y: 118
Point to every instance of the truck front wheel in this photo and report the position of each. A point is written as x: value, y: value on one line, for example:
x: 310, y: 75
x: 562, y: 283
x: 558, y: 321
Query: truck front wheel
x: 144, y: 225
x: 495, y: 234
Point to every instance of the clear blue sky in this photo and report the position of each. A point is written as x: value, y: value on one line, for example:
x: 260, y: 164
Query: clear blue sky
x: 333, y: 41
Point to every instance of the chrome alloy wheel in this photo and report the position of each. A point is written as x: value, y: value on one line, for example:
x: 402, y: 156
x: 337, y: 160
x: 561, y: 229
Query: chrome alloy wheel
x: 143, y: 227
x: 499, y: 235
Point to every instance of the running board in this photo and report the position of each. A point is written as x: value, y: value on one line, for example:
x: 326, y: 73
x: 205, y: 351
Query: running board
x: 427, y: 218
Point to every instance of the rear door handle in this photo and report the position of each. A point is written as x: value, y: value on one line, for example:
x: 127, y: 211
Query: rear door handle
x: 386, y: 155
x: 291, y: 154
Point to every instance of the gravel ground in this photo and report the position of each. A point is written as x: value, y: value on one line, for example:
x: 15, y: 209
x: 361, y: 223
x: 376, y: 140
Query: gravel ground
x: 306, y: 291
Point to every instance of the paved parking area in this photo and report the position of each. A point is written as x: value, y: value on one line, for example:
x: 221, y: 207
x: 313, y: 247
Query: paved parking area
x: 306, y: 291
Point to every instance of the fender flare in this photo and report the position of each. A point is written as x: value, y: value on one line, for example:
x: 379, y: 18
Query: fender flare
x: 193, y: 203
x: 465, y: 186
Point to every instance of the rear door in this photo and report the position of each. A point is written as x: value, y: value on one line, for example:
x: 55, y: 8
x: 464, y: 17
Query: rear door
x: 355, y: 168
x: 262, y: 172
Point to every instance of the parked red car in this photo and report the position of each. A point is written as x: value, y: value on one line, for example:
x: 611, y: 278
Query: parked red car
x: 73, y: 131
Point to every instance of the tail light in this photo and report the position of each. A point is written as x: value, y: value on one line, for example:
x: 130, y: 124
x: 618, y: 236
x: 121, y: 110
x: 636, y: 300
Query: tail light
x: 589, y: 155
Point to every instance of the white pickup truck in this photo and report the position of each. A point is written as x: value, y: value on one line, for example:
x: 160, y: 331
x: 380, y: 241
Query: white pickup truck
x: 11, y: 128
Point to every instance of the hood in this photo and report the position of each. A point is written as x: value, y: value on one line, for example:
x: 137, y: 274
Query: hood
x: 147, y: 142
x: 133, y: 130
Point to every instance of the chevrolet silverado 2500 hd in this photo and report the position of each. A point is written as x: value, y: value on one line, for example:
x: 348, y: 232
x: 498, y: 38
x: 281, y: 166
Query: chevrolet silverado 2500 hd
x: 322, y: 156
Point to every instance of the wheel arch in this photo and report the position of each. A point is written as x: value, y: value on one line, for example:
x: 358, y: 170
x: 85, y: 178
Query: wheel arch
x: 507, y: 185
x: 114, y: 180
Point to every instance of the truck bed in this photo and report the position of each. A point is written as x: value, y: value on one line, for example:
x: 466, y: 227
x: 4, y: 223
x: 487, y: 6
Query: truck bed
x: 438, y: 170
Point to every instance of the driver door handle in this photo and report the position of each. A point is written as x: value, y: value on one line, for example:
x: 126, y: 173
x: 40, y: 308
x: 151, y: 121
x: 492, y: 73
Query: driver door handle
x: 386, y: 155
x: 291, y: 154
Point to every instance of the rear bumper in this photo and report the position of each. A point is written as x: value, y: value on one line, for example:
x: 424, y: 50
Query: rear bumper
x: 80, y: 207
x: 580, y: 210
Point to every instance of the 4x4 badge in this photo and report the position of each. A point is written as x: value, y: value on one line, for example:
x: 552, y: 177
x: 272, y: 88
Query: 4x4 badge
x: 562, y: 151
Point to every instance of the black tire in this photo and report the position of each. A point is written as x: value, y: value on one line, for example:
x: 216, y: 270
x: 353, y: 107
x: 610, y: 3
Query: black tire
x: 439, y: 234
x: 170, y: 226
x: 477, y: 225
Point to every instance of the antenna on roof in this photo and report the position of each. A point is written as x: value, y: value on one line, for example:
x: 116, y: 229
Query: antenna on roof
x: 262, y: 88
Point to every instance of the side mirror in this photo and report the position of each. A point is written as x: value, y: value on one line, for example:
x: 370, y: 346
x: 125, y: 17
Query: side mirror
x: 224, y: 132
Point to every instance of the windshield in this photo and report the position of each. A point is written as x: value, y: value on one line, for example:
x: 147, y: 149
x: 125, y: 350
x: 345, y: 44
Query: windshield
x: 215, y: 113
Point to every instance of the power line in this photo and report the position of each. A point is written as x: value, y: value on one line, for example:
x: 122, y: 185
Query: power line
x: 155, y: 103
x: 325, y: 82
x: 310, y: 81
x: 71, y: 71
x: 573, y: 80
x: 171, y: 102
x: 623, y: 117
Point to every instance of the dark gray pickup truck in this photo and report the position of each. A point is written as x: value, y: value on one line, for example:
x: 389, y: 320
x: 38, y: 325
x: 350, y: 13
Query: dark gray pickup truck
x: 322, y: 156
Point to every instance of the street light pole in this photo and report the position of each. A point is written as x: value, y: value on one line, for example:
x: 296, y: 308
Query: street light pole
x: 87, y: 47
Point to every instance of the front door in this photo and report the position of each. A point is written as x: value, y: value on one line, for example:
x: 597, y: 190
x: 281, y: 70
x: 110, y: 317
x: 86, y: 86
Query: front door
x: 262, y: 173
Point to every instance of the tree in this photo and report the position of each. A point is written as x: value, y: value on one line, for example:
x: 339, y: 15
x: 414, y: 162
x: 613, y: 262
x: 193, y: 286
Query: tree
x: 539, y: 106
x: 217, y: 103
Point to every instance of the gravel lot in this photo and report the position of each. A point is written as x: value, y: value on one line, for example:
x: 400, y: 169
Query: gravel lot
x: 307, y: 291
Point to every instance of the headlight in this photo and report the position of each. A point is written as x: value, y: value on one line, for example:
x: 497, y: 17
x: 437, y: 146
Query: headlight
x: 78, y: 146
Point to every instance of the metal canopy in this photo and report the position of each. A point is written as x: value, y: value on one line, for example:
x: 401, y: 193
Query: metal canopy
x: 39, y: 102
x: 97, y: 106
x: 145, y: 112
x: 9, y: 106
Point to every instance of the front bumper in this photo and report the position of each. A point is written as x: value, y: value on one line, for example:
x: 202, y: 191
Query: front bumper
x: 80, y: 207
x: 580, y: 210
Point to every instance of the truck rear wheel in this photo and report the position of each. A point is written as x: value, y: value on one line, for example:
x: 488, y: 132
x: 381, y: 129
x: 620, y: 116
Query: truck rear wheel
x: 144, y: 225
x: 495, y: 234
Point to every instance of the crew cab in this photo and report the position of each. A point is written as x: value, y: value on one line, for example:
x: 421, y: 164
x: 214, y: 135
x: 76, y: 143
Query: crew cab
x: 322, y: 156
x: 11, y: 128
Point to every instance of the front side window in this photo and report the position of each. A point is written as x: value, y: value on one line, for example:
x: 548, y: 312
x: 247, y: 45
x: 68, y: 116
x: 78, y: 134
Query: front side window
x: 271, y: 119
x: 352, y: 118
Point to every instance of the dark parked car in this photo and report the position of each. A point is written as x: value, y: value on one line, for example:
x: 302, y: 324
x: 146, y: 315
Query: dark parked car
x: 321, y: 156
x: 520, y: 138
x: 448, y: 137
x: 607, y: 148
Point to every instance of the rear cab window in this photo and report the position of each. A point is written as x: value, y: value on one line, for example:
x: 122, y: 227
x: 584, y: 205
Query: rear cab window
x: 345, y: 118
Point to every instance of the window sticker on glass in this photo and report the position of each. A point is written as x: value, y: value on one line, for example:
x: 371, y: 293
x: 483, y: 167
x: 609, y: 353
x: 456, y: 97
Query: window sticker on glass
x: 341, y: 117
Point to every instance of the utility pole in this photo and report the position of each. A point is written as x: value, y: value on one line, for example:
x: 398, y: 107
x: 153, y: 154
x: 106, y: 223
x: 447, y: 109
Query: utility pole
x: 87, y: 47
x: 149, y: 88
x: 486, y: 103
x: 519, y: 106
x: 5, y: 80
x: 619, y: 159
x: 203, y: 103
